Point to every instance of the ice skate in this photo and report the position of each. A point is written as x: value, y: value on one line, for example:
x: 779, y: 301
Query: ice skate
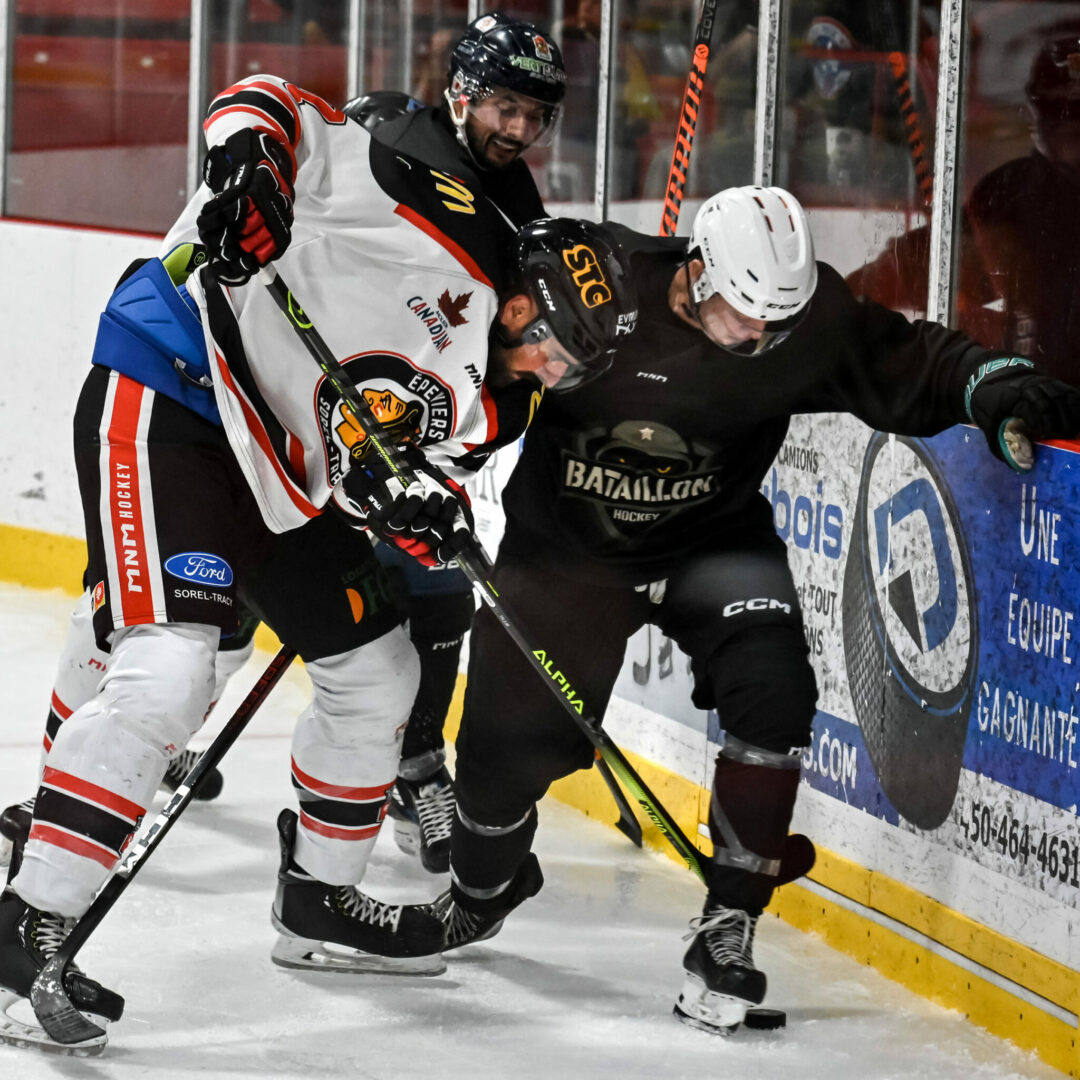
x: 423, y: 813
x: 721, y: 982
x: 464, y: 925
x: 14, y: 828
x: 181, y: 765
x: 337, y: 928
x: 28, y: 938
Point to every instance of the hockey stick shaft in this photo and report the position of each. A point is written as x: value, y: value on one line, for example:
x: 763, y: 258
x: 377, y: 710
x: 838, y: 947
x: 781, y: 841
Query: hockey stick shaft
x: 475, y: 564
x: 688, y: 116
x: 910, y: 115
x: 53, y: 1007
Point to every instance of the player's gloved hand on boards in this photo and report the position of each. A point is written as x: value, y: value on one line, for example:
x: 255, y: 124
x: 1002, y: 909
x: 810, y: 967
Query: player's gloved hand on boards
x: 430, y: 519
x: 249, y: 220
x: 1014, y: 404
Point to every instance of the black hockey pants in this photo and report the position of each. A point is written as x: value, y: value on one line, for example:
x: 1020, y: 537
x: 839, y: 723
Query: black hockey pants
x: 732, y: 610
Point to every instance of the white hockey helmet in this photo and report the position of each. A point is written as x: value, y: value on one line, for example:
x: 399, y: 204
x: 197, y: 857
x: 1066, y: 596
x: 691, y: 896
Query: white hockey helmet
x: 759, y: 256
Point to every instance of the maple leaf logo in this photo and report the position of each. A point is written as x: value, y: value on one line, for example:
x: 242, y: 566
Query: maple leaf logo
x: 452, y: 309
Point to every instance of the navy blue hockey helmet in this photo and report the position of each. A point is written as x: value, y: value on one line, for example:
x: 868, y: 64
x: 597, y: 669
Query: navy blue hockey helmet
x: 582, y: 289
x: 499, y: 51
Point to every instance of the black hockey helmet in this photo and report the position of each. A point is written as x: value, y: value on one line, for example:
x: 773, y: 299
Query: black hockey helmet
x: 497, y: 50
x: 583, y: 291
x: 1053, y: 86
x: 370, y: 110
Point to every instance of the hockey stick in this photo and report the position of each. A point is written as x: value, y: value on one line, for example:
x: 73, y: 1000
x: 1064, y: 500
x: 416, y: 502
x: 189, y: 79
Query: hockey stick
x: 688, y: 114
x: 58, y: 1015
x: 628, y: 823
x: 474, y: 563
x: 910, y: 115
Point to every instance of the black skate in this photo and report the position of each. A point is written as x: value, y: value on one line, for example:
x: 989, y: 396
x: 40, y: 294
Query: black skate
x: 466, y: 925
x: 423, y: 813
x: 15, y: 828
x: 181, y: 765
x: 721, y: 981
x: 28, y: 938
x: 337, y: 928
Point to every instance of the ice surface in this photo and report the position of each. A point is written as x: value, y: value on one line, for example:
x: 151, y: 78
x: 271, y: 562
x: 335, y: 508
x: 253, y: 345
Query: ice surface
x: 579, y: 983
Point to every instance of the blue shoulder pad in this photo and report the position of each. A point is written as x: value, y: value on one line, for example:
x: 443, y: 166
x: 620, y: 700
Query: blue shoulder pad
x: 148, y: 305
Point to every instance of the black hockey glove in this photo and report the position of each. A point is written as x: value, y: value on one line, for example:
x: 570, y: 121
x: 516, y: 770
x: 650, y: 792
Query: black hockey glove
x: 249, y: 221
x: 1013, y: 404
x: 430, y: 519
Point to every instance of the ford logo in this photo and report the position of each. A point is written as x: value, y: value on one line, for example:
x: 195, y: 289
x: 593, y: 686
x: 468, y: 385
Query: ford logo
x: 199, y: 566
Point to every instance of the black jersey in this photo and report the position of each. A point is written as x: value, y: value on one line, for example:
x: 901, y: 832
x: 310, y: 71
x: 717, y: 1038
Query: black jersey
x: 666, y: 452
x: 428, y: 134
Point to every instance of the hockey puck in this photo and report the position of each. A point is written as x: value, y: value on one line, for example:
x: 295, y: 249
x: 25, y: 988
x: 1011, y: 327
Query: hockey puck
x: 765, y: 1019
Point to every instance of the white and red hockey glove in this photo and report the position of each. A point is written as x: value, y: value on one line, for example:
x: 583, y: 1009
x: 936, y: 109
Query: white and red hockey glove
x: 430, y: 519
x: 249, y: 220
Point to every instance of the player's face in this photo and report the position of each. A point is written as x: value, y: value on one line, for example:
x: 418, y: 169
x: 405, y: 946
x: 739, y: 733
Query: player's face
x: 714, y: 317
x: 503, y: 125
x: 538, y: 355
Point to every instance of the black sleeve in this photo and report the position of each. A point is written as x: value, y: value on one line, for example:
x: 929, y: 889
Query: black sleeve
x: 451, y: 203
x: 895, y: 375
x: 653, y: 261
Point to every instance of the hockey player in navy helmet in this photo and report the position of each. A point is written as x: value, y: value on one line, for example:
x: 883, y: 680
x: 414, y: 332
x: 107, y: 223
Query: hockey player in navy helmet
x: 504, y: 87
x: 256, y: 485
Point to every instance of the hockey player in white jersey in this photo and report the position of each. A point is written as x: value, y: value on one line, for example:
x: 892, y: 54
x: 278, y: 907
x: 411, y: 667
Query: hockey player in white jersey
x: 505, y: 85
x: 209, y: 449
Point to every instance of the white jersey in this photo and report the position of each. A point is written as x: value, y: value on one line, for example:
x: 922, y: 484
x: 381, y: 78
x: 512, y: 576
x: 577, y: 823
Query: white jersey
x: 395, y: 263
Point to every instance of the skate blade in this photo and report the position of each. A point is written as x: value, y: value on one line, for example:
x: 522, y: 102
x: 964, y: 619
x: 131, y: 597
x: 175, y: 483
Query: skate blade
x: 702, y: 1025
x: 14, y: 1032
x: 308, y: 954
x: 700, y: 1007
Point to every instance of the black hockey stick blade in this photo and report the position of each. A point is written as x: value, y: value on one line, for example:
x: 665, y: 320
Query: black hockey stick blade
x: 628, y: 823
x: 49, y: 994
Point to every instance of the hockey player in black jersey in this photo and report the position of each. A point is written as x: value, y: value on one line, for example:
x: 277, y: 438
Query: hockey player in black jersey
x: 637, y: 499
x: 504, y: 90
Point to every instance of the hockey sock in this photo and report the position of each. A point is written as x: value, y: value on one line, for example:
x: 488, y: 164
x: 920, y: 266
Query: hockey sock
x: 484, y: 860
x: 437, y: 627
x: 758, y: 802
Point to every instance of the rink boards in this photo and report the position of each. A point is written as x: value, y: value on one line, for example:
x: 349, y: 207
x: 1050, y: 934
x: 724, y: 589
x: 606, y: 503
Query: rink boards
x: 941, y: 782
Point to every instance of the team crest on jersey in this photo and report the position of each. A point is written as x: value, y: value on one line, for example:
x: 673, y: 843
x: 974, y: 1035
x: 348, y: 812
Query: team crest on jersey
x: 99, y: 597
x: 409, y: 402
x: 638, y: 474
